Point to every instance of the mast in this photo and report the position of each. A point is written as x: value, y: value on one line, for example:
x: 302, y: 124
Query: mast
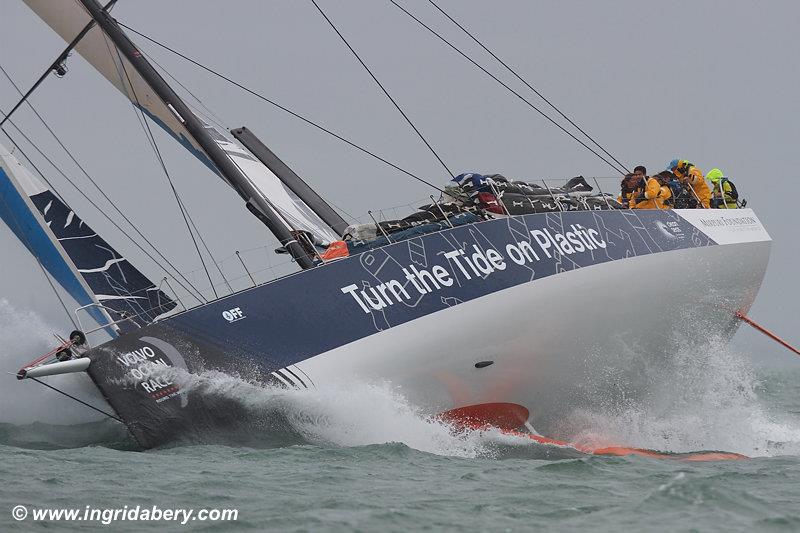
x: 256, y: 202
x: 289, y: 178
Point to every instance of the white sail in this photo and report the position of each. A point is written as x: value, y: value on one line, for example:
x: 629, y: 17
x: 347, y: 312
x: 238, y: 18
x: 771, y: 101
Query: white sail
x: 68, y: 18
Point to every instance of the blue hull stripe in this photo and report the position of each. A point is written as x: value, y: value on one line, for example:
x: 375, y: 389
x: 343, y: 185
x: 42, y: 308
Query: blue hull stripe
x: 307, y: 313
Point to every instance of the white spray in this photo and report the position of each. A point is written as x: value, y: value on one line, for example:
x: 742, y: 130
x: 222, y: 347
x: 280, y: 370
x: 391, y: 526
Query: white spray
x: 26, y: 336
x: 702, y: 400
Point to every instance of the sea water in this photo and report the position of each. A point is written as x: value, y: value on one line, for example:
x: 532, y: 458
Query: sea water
x: 362, y: 457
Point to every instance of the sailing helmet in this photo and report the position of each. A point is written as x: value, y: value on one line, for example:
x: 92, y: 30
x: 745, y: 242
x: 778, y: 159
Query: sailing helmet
x: 672, y: 164
x: 714, y: 175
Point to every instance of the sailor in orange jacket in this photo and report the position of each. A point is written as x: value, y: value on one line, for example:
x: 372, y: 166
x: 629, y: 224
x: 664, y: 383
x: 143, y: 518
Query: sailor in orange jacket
x: 692, y: 178
x: 655, y: 195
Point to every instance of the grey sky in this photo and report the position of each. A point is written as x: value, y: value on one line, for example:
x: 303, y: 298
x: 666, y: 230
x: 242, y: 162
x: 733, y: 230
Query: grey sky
x: 711, y: 81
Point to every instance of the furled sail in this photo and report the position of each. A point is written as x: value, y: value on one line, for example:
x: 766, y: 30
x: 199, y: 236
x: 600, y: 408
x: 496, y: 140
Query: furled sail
x: 69, y: 17
x: 84, y: 264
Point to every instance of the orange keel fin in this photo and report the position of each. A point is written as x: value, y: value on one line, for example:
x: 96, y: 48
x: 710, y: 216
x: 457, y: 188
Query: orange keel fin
x: 509, y: 417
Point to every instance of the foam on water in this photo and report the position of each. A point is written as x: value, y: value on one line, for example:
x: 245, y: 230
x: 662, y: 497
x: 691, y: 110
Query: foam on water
x: 702, y: 400
x: 351, y: 414
x: 699, y: 400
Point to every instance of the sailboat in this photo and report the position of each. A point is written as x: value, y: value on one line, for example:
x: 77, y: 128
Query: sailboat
x: 489, y: 315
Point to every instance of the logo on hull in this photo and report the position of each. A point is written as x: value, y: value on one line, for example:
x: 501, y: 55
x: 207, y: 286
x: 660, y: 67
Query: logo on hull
x: 233, y: 315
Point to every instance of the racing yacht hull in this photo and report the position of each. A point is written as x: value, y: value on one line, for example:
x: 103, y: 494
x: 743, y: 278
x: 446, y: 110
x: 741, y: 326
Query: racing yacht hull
x: 539, y: 314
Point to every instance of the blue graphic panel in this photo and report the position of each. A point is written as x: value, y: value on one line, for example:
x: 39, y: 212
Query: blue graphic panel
x: 117, y: 284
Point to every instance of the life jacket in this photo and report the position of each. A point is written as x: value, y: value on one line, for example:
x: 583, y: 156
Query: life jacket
x: 626, y: 198
x: 627, y: 193
x: 733, y: 193
x: 724, y: 197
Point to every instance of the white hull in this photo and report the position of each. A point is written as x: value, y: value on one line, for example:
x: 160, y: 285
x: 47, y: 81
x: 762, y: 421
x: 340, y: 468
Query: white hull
x: 562, y: 341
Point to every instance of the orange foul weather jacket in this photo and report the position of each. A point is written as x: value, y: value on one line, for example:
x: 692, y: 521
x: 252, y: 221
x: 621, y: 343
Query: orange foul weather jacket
x: 655, y: 196
x: 693, y: 177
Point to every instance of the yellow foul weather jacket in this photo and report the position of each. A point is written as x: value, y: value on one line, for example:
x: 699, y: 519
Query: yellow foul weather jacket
x: 690, y: 175
x: 655, y: 196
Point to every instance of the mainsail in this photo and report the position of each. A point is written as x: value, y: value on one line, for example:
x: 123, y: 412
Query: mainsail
x: 69, y: 17
x: 84, y: 264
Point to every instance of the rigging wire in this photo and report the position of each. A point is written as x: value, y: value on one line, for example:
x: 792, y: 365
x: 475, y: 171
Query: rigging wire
x: 181, y: 207
x: 389, y: 96
x: 515, y: 93
x: 99, y: 209
x: 212, y: 117
x: 28, y: 244
x: 343, y: 212
x: 151, y: 142
x: 90, y: 406
x: 203, y: 241
x: 86, y: 197
x: 17, y: 148
x: 279, y: 106
x: 105, y: 215
x: 520, y: 78
x: 57, y: 63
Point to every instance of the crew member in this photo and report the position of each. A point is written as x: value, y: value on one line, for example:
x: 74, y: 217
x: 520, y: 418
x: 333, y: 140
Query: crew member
x: 724, y: 194
x: 631, y: 185
x: 692, y: 178
x: 656, y: 194
x: 627, y: 190
x: 682, y: 196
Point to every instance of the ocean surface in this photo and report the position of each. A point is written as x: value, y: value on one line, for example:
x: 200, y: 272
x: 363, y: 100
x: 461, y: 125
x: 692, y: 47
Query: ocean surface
x: 363, y: 458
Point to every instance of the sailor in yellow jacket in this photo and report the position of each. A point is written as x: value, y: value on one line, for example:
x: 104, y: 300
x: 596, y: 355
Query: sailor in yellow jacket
x: 655, y: 195
x: 691, y: 177
x: 722, y: 195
